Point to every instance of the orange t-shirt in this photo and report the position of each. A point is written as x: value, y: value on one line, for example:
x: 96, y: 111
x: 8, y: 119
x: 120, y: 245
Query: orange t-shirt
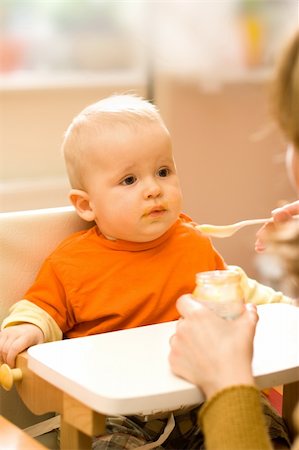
x: 91, y: 285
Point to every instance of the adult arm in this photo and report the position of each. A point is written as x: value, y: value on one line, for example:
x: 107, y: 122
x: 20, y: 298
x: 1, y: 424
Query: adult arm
x: 233, y: 419
x: 216, y: 355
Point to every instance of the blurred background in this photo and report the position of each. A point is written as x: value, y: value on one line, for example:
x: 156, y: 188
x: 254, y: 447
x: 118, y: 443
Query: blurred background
x: 206, y: 64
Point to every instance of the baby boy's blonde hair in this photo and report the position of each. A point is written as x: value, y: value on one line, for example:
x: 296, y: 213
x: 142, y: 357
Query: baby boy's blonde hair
x: 108, y: 115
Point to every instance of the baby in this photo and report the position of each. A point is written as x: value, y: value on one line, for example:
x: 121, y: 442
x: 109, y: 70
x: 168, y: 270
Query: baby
x: 130, y: 267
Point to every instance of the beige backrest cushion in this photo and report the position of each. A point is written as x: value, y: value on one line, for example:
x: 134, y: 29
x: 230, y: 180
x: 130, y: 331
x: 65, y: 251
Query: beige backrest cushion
x: 26, y: 238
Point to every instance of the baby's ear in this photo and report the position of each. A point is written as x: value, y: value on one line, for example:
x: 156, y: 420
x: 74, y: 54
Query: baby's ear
x: 80, y: 200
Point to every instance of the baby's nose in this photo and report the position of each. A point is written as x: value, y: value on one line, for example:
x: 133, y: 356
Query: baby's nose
x: 153, y: 189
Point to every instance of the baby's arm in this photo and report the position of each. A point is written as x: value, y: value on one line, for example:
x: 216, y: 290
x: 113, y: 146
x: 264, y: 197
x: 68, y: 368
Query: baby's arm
x: 259, y: 294
x: 15, y: 339
x: 26, y: 325
x: 27, y: 312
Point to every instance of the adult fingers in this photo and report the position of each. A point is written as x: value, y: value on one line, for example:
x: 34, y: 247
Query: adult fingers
x: 261, y: 237
x: 186, y: 305
x: 285, y: 212
x: 252, y: 313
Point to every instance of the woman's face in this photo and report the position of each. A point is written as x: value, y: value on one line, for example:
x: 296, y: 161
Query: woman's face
x: 292, y: 163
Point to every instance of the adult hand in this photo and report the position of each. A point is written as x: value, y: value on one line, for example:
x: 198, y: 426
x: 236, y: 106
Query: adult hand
x: 15, y: 339
x: 279, y: 215
x: 210, y: 351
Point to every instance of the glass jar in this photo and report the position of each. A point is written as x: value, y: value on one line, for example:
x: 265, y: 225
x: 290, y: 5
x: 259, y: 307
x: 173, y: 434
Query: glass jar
x: 220, y: 290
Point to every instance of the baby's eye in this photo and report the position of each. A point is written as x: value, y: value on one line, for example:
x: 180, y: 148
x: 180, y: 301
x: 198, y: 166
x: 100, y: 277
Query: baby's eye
x: 163, y: 172
x: 128, y: 180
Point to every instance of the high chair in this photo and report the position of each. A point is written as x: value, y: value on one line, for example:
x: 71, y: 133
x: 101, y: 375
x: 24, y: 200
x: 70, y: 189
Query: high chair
x: 26, y: 238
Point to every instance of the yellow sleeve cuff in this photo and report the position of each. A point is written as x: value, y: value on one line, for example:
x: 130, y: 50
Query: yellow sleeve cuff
x: 27, y: 312
x: 258, y: 293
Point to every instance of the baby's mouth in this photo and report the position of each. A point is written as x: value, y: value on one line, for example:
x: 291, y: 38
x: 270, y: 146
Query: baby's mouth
x: 155, y: 211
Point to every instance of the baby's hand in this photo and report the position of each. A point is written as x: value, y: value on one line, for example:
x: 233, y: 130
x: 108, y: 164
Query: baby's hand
x: 15, y: 339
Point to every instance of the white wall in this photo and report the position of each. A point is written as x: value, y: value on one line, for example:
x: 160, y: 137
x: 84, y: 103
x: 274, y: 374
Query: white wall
x: 32, y: 123
x: 229, y: 155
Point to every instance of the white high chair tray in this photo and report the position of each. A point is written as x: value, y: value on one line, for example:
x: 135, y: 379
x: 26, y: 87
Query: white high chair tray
x: 127, y: 372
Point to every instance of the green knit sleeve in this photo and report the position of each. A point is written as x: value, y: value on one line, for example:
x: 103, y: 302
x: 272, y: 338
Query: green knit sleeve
x: 233, y: 420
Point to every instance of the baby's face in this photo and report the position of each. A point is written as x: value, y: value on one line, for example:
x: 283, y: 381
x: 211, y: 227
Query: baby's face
x: 132, y: 183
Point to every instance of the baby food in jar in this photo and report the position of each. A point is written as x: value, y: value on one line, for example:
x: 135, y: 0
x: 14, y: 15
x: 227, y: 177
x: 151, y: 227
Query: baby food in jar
x: 220, y: 290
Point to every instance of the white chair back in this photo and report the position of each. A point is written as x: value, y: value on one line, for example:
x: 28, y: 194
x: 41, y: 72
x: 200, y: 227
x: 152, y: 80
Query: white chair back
x: 26, y: 239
